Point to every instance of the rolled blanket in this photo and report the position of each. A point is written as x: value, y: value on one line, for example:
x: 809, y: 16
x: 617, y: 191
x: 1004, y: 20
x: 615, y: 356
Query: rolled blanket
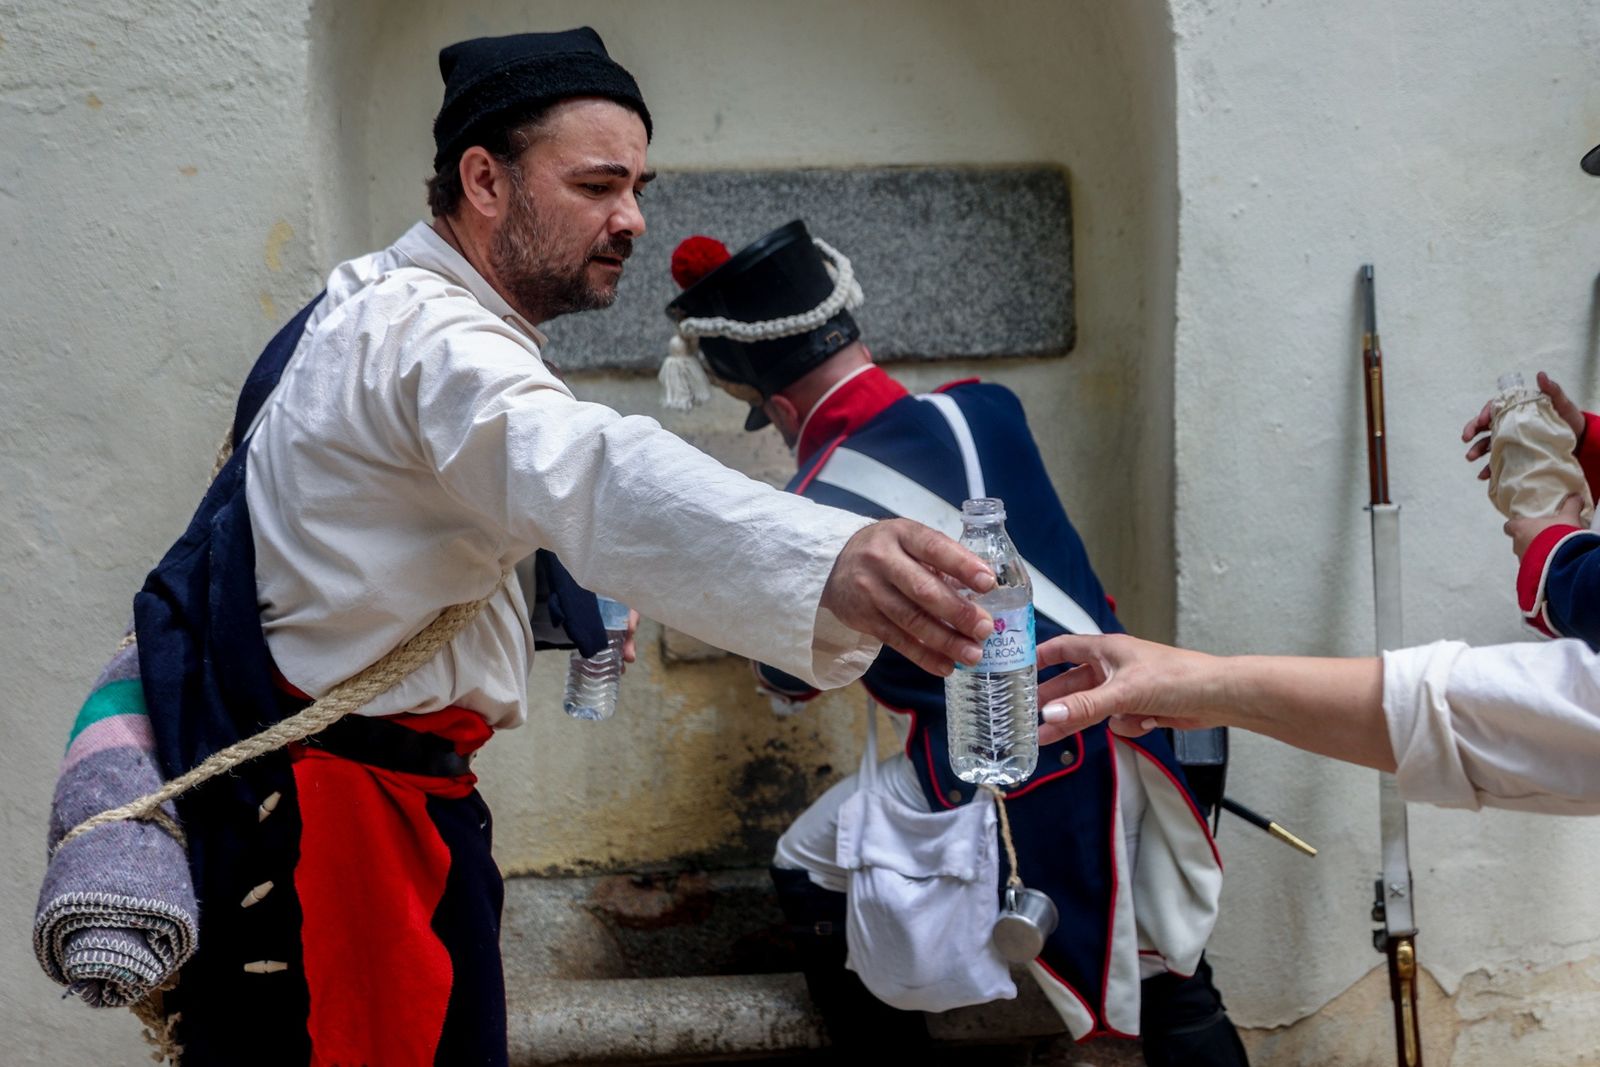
x: 117, y: 914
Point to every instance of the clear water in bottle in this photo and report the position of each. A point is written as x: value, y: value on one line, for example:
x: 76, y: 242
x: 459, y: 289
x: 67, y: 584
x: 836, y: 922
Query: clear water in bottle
x: 992, y: 710
x: 592, y: 682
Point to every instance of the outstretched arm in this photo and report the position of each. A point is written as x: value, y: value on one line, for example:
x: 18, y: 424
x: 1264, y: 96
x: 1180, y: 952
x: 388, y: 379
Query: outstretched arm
x: 1332, y: 707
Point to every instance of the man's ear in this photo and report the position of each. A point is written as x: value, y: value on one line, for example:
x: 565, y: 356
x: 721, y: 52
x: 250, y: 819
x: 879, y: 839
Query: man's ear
x: 784, y: 415
x: 485, y: 182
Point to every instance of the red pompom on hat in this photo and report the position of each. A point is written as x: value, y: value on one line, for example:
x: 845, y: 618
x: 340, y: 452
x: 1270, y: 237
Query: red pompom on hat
x: 695, y: 257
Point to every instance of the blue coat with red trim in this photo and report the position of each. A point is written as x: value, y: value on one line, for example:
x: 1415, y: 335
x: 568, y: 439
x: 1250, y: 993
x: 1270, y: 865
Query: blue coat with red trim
x: 1061, y: 819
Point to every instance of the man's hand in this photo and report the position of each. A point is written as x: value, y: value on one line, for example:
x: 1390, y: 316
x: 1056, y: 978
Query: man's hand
x: 1523, y: 531
x: 889, y: 582
x: 629, y: 652
x: 1138, y: 685
x: 1570, y: 413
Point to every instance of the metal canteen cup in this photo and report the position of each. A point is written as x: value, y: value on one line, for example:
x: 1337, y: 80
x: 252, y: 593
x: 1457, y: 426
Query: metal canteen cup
x: 1027, y: 919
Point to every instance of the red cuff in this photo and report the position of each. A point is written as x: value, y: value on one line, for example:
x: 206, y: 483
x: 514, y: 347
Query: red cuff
x: 1588, y: 452
x: 1534, y: 570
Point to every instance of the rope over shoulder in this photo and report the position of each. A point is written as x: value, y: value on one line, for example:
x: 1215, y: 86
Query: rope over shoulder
x: 349, y: 695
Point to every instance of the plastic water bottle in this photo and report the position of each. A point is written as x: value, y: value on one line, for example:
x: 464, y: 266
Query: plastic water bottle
x: 992, y: 710
x: 592, y: 682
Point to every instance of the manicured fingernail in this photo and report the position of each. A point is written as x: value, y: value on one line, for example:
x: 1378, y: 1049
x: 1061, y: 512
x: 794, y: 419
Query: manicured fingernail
x: 1054, y: 713
x: 1148, y: 724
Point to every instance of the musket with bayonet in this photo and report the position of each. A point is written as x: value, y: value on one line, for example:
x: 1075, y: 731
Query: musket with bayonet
x: 1395, y: 933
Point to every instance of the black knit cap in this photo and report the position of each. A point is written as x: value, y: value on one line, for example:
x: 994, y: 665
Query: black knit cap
x: 779, y: 274
x: 507, y: 80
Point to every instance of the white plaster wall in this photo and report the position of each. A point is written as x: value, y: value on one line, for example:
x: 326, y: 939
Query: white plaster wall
x: 1438, y: 139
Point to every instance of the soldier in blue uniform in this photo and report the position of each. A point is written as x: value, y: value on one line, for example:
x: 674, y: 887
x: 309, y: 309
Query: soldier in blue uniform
x: 1106, y: 826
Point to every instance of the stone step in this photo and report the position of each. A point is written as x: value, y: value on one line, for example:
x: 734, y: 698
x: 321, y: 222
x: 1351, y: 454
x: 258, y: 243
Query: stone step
x: 661, y: 1020
x: 736, y: 1018
x: 696, y: 968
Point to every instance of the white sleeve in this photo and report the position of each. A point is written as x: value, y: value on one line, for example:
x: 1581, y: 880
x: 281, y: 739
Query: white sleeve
x: 631, y: 510
x: 1506, y: 726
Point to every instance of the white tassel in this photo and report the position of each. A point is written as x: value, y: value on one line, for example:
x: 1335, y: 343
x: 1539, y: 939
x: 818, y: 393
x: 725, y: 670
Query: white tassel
x: 683, y: 379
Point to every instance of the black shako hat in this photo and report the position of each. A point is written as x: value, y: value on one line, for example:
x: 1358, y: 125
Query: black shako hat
x: 780, y: 274
x: 1591, y: 162
x: 507, y: 80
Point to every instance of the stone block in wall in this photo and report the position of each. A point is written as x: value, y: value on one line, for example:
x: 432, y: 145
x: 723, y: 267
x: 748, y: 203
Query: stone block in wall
x: 956, y: 262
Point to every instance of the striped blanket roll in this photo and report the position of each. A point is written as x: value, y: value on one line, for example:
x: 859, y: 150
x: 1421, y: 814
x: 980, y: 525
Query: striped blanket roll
x: 117, y: 914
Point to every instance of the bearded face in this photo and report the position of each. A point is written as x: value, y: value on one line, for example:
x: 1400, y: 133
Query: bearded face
x: 548, y: 271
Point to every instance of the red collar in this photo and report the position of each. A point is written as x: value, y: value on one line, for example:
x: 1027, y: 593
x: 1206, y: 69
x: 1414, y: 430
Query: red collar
x: 848, y: 408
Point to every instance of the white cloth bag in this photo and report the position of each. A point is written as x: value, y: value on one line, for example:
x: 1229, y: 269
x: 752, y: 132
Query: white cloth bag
x: 922, y: 898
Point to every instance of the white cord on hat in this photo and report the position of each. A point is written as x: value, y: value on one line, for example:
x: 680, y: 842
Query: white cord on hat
x: 683, y: 378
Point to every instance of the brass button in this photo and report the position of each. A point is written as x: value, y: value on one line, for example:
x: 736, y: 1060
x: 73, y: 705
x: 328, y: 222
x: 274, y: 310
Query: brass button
x: 954, y: 796
x: 1067, y: 756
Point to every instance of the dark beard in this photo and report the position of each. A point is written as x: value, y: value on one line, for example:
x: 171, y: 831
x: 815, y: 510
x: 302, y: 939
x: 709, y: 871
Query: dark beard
x: 525, y: 265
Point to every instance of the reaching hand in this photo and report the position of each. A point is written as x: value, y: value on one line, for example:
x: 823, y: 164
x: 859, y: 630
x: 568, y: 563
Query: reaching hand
x: 1523, y: 531
x: 629, y: 652
x: 889, y: 582
x: 1570, y: 413
x: 1137, y: 685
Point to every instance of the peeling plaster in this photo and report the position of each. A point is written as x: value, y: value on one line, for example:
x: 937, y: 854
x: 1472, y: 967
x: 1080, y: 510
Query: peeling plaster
x: 1522, y: 1013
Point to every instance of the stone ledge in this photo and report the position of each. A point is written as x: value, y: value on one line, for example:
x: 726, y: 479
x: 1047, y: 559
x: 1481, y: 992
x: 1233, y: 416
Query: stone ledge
x: 661, y: 1020
x: 733, y: 1018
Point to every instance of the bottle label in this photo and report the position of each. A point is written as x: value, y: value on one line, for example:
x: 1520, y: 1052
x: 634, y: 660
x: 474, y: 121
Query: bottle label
x: 613, y: 615
x: 1011, y: 646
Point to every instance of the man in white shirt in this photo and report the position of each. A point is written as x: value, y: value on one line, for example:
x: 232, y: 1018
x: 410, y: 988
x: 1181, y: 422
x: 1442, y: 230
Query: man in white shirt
x: 413, y: 453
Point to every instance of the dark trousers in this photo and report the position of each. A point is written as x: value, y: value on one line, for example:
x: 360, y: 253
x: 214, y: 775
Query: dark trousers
x: 247, y: 999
